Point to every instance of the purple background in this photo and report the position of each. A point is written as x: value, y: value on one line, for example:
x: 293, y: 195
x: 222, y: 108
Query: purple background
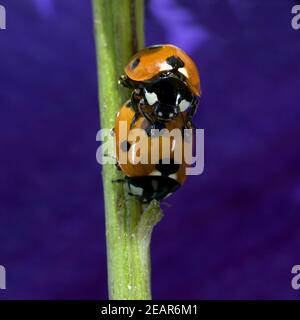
x: 231, y: 233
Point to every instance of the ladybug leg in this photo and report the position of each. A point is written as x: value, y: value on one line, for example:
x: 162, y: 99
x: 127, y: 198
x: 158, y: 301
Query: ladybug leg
x: 118, y: 166
x: 134, y: 119
x: 189, y: 124
x: 118, y: 181
x: 135, y: 101
x: 124, y: 81
x: 146, y: 116
x: 136, y: 98
x: 194, y: 107
x: 143, y: 113
x: 127, y: 83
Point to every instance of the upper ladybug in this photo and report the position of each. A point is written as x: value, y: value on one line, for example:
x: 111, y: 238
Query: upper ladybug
x: 152, y: 61
x: 166, y: 83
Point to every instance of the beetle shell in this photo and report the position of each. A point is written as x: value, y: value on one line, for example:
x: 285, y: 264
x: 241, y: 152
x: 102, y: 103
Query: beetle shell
x: 147, y: 180
x: 150, y: 62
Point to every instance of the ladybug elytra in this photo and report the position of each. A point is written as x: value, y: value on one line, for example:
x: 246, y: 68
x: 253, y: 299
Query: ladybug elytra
x: 165, y: 83
x: 148, y: 180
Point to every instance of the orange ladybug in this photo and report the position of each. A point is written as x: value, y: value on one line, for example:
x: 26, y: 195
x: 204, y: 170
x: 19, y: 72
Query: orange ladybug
x: 148, y: 179
x: 165, y: 83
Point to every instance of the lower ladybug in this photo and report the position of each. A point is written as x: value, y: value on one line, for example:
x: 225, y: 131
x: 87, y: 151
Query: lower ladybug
x: 165, y: 83
x: 147, y: 180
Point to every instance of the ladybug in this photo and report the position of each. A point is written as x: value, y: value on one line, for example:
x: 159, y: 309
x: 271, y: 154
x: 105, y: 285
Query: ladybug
x: 147, y: 180
x: 165, y: 83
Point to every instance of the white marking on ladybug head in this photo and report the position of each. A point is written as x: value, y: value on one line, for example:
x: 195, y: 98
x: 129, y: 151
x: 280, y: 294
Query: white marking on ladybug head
x: 165, y: 66
x: 184, y: 72
x: 183, y: 105
x: 173, y: 176
x: 155, y: 173
x: 137, y: 191
x: 151, y: 97
x: 160, y: 113
x: 171, y: 114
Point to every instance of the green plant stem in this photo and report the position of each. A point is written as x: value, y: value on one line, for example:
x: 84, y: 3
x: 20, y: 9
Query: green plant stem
x: 119, y: 34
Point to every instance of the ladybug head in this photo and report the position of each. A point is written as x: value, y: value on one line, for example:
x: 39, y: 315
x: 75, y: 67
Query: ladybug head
x: 167, y: 96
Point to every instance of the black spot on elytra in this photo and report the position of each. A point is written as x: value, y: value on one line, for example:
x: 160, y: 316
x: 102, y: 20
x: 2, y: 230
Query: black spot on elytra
x: 175, y: 62
x: 125, y: 146
x: 167, y: 168
x: 135, y: 63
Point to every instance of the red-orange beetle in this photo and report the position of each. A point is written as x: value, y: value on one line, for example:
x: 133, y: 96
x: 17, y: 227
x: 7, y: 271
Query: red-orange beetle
x: 149, y: 180
x: 166, y: 83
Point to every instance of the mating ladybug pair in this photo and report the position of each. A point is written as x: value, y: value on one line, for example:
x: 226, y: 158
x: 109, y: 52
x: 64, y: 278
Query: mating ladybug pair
x: 165, y: 89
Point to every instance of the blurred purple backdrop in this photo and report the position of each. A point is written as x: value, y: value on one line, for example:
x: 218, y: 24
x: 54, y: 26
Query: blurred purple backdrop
x: 232, y: 233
